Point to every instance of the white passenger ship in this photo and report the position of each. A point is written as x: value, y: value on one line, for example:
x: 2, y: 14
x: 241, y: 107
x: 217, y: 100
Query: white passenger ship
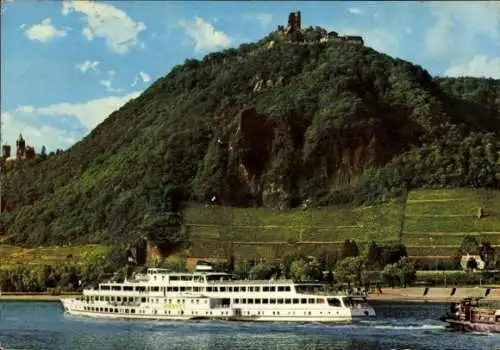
x: 165, y: 295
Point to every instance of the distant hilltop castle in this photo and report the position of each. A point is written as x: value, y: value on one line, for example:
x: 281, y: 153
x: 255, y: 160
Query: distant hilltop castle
x: 22, y: 150
x: 294, y: 26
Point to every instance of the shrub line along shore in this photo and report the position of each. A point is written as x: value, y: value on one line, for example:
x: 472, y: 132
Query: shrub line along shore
x: 416, y: 294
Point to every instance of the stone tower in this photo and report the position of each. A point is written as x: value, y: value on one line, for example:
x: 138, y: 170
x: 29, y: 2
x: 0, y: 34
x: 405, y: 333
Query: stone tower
x: 21, y: 147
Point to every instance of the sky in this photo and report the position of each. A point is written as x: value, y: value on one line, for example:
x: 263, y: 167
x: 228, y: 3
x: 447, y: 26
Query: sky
x: 66, y: 65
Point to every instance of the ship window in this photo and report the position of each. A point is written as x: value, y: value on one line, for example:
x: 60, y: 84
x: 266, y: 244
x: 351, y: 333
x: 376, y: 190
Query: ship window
x: 236, y: 301
x: 303, y: 301
x: 209, y: 289
x: 250, y: 289
x: 236, y: 289
x: 265, y: 289
x: 186, y: 278
x: 334, y: 302
x: 154, y: 279
x: 281, y: 289
x: 126, y: 311
x: 288, y: 301
x: 312, y: 301
x: 243, y: 301
x: 222, y: 289
x: 320, y: 300
x: 174, y: 278
x: 250, y: 301
x: 116, y: 310
x: 295, y: 301
x: 257, y: 301
x: 128, y: 288
x: 215, y: 289
x: 118, y: 299
x: 117, y: 288
x: 155, y: 289
x: 105, y: 288
x: 257, y: 289
x: 169, y: 289
x: 132, y: 311
x: 280, y: 301
x: 176, y: 289
x: 105, y: 309
x: 287, y: 289
x: 265, y: 301
x: 143, y: 300
x: 101, y: 298
x: 243, y: 289
x: 106, y: 298
x: 189, y: 289
x: 229, y: 289
x: 196, y: 289
x: 197, y: 301
x: 183, y: 289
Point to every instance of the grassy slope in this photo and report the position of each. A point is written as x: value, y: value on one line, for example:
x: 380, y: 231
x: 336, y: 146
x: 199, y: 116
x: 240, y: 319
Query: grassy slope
x: 11, y: 255
x: 434, y: 223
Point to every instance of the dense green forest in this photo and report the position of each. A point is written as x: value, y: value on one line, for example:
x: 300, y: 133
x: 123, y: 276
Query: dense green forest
x: 262, y: 125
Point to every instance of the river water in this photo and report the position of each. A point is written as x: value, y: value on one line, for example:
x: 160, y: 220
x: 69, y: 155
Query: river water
x: 398, y: 326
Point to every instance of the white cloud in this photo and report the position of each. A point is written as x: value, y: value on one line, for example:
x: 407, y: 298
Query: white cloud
x: 108, y: 84
x: 26, y: 109
x: 87, y: 33
x: 479, y: 66
x: 480, y: 17
x: 356, y: 11
x: 22, y: 26
x: 86, y: 65
x: 108, y: 22
x: 44, y: 31
x: 265, y: 19
x: 49, y: 136
x: 204, y: 35
x: 90, y: 113
x: 145, y: 77
x: 457, y: 24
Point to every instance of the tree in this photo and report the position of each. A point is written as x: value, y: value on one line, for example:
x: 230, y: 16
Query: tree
x: 263, y: 271
x: 350, y: 249
x: 350, y: 269
x: 43, y: 152
x: 374, y: 255
x: 487, y: 254
x: 401, y: 273
x: 303, y: 270
x: 468, y: 245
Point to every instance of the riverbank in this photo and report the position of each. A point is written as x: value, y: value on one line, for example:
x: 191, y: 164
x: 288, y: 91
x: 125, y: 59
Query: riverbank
x: 34, y: 297
x: 418, y: 294
x: 434, y: 294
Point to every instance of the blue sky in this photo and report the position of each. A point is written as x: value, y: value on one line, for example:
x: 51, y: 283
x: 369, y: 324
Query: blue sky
x: 65, y: 66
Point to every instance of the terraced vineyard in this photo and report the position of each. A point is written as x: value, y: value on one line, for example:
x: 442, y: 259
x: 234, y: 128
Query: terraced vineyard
x: 428, y: 222
x: 431, y: 223
x: 11, y: 255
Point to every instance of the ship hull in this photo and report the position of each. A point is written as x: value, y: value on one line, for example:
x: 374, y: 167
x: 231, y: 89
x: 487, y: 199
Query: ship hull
x: 467, y: 326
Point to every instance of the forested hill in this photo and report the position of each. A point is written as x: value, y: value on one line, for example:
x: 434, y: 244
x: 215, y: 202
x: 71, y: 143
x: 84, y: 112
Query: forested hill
x: 274, y: 125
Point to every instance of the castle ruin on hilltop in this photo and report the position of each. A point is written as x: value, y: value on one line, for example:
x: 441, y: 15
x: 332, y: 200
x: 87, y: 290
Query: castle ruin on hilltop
x: 295, y: 26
